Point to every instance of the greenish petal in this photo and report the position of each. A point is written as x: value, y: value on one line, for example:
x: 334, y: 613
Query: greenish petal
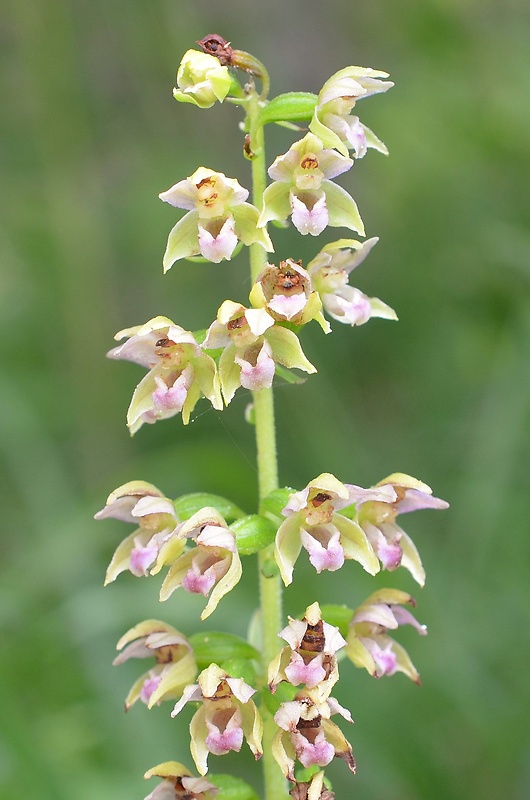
x: 288, y: 546
x: 287, y: 350
x: 246, y: 217
x: 342, y: 208
x: 356, y: 544
x: 276, y: 203
x: 183, y: 240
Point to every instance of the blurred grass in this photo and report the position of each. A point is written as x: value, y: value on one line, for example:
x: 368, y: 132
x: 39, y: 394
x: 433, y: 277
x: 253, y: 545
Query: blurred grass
x: 89, y: 136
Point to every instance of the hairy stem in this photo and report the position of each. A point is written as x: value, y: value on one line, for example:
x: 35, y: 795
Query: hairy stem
x: 269, y: 580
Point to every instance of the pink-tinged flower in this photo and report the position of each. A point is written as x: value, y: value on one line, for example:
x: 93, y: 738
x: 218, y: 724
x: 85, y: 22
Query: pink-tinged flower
x: 175, y: 666
x: 180, y: 372
x: 179, y: 784
x: 370, y: 647
x: 332, y: 120
x: 303, y: 189
x: 377, y: 518
x: 286, y: 293
x: 307, y: 734
x: 315, y: 789
x: 252, y: 344
x: 212, y: 567
x: 145, y: 505
x: 201, y: 80
x: 312, y: 522
x: 218, y: 217
x: 330, y: 271
x: 226, y: 717
x: 310, y: 656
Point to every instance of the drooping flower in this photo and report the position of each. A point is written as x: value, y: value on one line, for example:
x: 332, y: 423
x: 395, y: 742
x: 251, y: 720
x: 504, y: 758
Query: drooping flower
x: 227, y: 716
x: 287, y: 294
x: 370, y: 647
x: 332, y: 120
x: 377, y: 518
x: 218, y: 217
x: 252, y: 344
x: 175, y: 663
x: 179, y: 784
x: 312, y: 522
x: 145, y: 505
x: 201, y: 80
x: 180, y: 372
x: 302, y: 189
x: 307, y: 734
x: 330, y: 271
x: 212, y: 567
x: 310, y: 657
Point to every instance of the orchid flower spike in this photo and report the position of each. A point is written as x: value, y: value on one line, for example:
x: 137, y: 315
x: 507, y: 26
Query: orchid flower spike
x: 180, y: 372
x: 145, y: 505
x: 175, y: 663
x: 370, y: 647
x: 226, y: 717
x: 218, y: 217
x: 332, y: 120
x: 302, y: 189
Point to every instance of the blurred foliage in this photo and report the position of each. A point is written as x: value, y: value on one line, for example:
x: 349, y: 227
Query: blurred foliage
x: 89, y: 136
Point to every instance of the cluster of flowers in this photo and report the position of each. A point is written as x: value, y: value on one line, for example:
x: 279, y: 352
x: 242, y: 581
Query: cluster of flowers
x: 201, y: 539
x: 202, y: 555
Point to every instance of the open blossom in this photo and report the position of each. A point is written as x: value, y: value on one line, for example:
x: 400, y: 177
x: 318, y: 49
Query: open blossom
x: 377, y: 518
x: 287, y: 294
x: 330, y: 271
x: 252, y: 345
x: 179, y: 784
x: 175, y: 666
x: 307, y: 734
x: 310, y: 657
x: 312, y: 522
x: 226, y: 717
x: 180, y: 372
x: 370, y: 647
x: 212, y: 567
x: 332, y: 120
x: 302, y: 189
x: 201, y: 80
x: 218, y: 217
x: 144, y: 505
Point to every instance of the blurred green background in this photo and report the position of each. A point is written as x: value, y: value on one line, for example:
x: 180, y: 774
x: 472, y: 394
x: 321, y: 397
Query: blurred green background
x: 89, y: 135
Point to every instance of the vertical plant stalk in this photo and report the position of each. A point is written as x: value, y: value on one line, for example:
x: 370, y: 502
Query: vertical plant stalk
x: 267, y: 463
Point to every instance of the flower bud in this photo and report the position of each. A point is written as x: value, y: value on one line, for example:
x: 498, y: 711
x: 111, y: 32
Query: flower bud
x: 201, y: 80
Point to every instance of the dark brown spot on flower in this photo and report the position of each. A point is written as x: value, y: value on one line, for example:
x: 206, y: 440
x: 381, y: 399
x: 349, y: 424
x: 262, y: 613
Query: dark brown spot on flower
x: 164, y: 655
x: 309, y: 162
x: 309, y: 724
x: 215, y: 45
x: 313, y: 639
x: 165, y: 342
x: 236, y: 323
x: 320, y: 498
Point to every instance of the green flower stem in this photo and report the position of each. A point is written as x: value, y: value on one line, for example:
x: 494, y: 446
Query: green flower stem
x: 270, y: 584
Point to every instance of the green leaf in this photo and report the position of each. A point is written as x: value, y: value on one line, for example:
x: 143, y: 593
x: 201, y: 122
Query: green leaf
x: 339, y: 616
x: 290, y: 106
x: 214, y: 647
x: 188, y: 504
x: 253, y: 533
x: 240, y: 668
x: 231, y: 788
x: 284, y: 693
x: 276, y: 501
